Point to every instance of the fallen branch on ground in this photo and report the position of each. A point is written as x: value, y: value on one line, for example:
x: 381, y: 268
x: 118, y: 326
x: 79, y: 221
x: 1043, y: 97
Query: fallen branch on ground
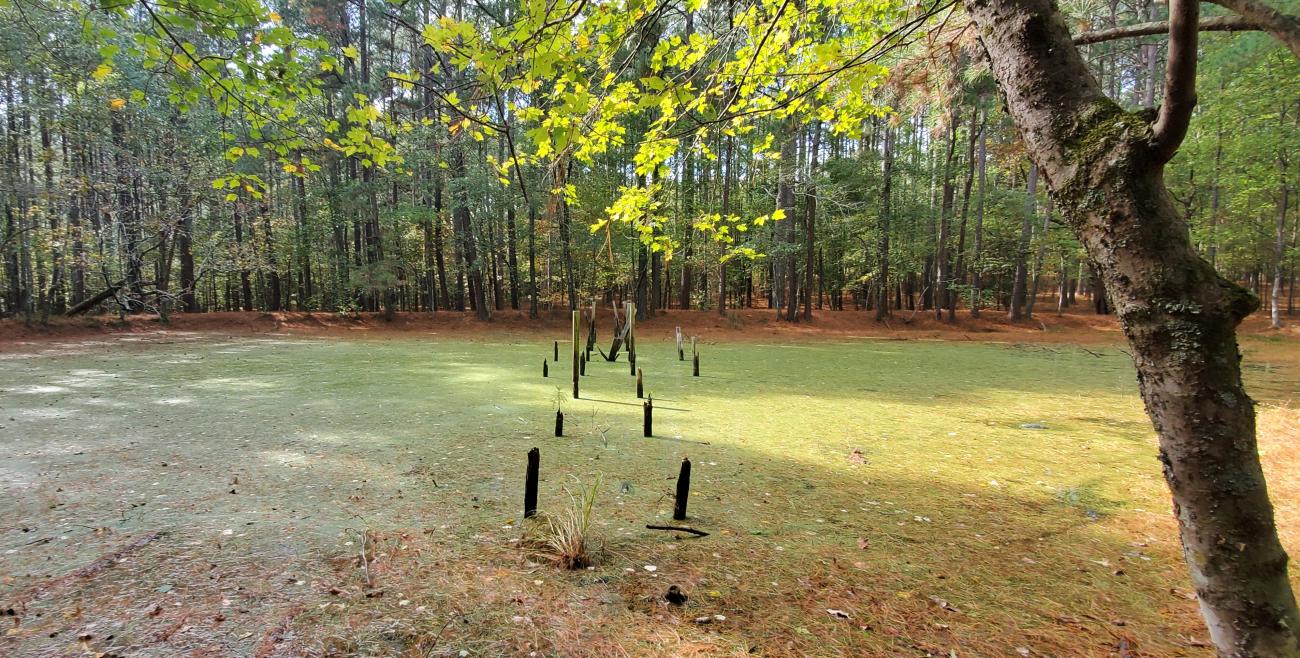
x: 693, y: 531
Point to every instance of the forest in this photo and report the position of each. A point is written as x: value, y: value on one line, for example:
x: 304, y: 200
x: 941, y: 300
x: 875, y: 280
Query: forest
x: 136, y: 181
x: 934, y: 328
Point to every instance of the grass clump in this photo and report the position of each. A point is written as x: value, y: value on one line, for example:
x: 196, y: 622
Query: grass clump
x: 566, y: 536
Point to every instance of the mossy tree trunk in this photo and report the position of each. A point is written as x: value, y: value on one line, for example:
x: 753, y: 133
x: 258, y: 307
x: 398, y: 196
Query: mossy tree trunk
x: 1105, y: 169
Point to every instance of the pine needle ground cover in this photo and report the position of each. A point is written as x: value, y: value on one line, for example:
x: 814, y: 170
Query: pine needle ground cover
x: 194, y: 494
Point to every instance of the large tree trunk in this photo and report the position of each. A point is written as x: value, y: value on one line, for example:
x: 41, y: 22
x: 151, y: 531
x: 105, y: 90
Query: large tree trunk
x: 1105, y: 169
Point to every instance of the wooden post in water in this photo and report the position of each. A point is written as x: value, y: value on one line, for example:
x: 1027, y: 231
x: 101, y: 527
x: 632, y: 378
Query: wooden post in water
x: 647, y: 421
x: 577, y: 319
x: 530, y: 483
x: 695, y: 352
x: 683, y: 491
x: 582, y: 365
x: 631, y: 338
x: 640, y: 389
x: 591, y: 330
x: 559, y: 423
x: 546, y: 369
x: 557, y: 351
x: 681, y: 351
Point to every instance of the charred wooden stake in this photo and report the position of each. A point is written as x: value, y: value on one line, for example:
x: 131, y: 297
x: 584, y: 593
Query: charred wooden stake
x: 648, y: 422
x: 546, y: 369
x: 697, y: 364
x: 631, y: 338
x: 559, y: 423
x: 577, y: 319
x: 683, y: 491
x: 681, y: 351
x: 530, y: 483
x: 582, y: 365
x: 557, y: 351
x: 640, y: 389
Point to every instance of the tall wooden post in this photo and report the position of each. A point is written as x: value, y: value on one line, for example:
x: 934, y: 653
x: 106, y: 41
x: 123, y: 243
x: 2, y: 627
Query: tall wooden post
x: 640, y: 389
x: 631, y: 338
x: 683, y: 491
x: 591, y: 330
x: 530, y: 483
x: 647, y: 419
x: 695, y: 356
x: 577, y: 321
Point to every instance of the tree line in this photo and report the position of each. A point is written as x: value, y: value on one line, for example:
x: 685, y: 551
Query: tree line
x: 117, y: 195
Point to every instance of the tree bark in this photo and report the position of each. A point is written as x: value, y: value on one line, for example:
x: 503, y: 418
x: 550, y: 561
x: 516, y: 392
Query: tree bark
x: 1104, y: 167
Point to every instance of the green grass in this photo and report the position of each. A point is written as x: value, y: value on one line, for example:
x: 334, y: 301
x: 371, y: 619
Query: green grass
x: 272, y: 464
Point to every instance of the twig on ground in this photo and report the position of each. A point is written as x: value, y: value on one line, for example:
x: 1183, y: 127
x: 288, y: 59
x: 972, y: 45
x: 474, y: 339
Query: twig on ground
x: 693, y: 531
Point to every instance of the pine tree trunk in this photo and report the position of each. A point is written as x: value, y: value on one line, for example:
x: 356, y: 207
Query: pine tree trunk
x: 1019, y: 285
x: 882, y: 241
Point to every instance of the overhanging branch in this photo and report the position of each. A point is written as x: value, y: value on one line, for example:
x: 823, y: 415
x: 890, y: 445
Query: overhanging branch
x: 1284, y: 28
x: 1215, y: 24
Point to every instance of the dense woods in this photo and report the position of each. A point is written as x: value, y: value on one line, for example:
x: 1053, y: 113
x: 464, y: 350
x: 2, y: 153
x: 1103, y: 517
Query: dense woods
x: 124, y: 190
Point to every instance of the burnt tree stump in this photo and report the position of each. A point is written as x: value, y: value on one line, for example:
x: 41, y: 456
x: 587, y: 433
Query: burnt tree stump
x: 647, y: 422
x: 530, y: 483
x: 683, y: 491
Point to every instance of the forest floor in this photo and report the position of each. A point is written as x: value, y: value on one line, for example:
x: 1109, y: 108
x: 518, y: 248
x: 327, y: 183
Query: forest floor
x: 337, y: 487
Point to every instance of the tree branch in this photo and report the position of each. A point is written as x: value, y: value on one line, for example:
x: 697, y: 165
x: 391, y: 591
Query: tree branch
x: 1180, y: 80
x: 1214, y: 24
x: 1284, y: 28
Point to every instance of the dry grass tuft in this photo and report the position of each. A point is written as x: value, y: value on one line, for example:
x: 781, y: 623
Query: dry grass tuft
x: 566, y: 536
